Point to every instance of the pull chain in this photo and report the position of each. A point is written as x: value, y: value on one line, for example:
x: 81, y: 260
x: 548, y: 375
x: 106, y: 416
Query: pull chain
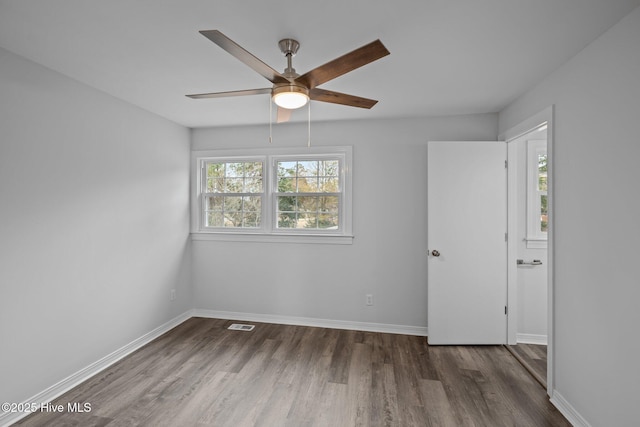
x: 309, y: 125
x: 270, y: 120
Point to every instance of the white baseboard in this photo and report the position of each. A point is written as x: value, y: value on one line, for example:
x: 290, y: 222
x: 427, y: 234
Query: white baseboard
x: 568, y: 411
x: 56, y: 390
x: 310, y: 321
x: 531, y: 339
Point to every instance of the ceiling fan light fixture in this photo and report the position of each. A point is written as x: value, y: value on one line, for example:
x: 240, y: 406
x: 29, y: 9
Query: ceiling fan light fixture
x: 290, y: 96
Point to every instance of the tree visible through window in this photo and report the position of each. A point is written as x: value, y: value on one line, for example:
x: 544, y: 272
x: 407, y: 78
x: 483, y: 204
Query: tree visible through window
x: 277, y: 192
x: 233, y: 194
x: 308, y: 194
x: 542, y: 191
x: 537, y: 198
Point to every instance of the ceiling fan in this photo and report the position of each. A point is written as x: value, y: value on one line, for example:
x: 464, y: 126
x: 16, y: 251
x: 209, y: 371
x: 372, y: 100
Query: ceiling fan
x: 291, y: 90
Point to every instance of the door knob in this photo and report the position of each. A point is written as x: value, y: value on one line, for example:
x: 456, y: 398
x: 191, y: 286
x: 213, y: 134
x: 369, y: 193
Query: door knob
x: 435, y: 253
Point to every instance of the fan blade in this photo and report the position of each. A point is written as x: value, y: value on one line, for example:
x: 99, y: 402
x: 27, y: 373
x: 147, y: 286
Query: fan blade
x: 342, y: 65
x: 231, y: 93
x: 284, y: 114
x: 240, y: 53
x: 341, y: 98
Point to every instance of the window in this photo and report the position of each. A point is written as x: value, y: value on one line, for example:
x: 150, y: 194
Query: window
x: 537, y: 212
x: 307, y: 194
x: 232, y: 193
x: 273, y: 195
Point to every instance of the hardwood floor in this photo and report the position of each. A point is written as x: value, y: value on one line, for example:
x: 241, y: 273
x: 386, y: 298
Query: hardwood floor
x: 533, y: 358
x: 201, y: 374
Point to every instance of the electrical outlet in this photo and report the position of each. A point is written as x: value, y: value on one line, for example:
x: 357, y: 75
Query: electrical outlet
x: 369, y: 299
x: 172, y: 294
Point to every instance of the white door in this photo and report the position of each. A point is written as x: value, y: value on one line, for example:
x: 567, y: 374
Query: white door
x: 467, y: 222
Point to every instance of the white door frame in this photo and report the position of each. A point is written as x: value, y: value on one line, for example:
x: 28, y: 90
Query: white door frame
x: 510, y: 135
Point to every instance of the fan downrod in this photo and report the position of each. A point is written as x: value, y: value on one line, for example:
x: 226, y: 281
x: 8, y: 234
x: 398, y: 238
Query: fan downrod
x: 289, y: 47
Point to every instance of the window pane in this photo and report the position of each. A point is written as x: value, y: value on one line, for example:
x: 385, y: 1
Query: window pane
x: 328, y: 221
x: 287, y: 212
x: 287, y: 219
x: 542, y: 163
x: 215, y: 203
x: 215, y: 185
x: 253, y: 169
x: 309, y: 176
x: 287, y: 185
x: 251, y: 203
x: 226, y: 179
x: 234, y: 177
x: 308, y: 220
x: 215, y: 219
x: 253, y: 185
x: 311, y: 212
x: 308, y: 168
x: 544, y: 216
x: 308, y: 204
x: 287, y: 169
x: 234, y: 170
x: 329, y: 168
x: 251, y: 219
x: 233, y: 211
x: 232, y: 203
x: 287, y: 203
x: 215, y: 169
x: 308, y: 184
x: 328, y: 204
x: 542, y: 182
x: 233, y: 185
x: 233, y: 219
x: 215, y: 178
x: 542, y: 172
x: 329, y: 185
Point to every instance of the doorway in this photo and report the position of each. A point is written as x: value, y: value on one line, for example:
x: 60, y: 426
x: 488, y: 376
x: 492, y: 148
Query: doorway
x: 530, y: 259
x: 529, y: 175
x: 533, y: 124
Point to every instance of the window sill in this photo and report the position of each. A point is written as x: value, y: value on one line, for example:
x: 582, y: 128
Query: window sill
x: 273, y: 238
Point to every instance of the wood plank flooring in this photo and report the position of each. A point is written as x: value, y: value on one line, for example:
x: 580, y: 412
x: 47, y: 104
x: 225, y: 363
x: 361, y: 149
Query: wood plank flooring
x: 201, y: 374
x: 533, y: 358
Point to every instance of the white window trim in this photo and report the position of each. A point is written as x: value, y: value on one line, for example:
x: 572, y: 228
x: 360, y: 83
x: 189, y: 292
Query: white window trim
x: 535, y: 239
x: 268, y: 232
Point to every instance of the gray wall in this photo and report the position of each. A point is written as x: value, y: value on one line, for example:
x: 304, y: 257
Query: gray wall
x: 597, y: 212
x: 94, y: 225
x: 388, y: 254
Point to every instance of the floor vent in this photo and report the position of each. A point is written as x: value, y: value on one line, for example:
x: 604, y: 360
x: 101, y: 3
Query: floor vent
x: 241, y: 327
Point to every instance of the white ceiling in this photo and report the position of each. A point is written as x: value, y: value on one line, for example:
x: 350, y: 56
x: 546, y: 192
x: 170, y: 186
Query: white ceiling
x: 447, y: 56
